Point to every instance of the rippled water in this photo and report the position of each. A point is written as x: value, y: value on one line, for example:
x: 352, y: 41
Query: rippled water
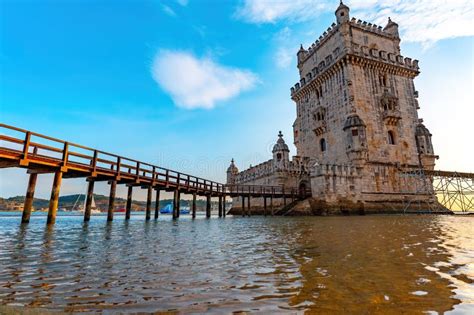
x: 367, y: 264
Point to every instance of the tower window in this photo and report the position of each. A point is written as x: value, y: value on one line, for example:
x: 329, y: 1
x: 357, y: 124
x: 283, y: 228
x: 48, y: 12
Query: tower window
x: 322, y: 144
x: 391, y: 138
x: 342, y: 13
x: 355, y: 132
x: 383, y: 80
x: 278, y: 156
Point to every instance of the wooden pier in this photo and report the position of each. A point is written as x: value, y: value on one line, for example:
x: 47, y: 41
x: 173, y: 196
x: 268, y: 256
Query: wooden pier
x: 40, y: 154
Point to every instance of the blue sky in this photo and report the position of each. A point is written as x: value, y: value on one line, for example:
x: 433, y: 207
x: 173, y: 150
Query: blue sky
x: 191, y: 84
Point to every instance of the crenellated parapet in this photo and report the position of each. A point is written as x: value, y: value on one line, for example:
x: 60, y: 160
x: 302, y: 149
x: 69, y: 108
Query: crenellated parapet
x: 362, y: 56
x: 270, y: 168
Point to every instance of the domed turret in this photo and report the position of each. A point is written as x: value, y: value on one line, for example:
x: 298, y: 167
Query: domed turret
x: 391, y: 28
x: 301, y: 54
x: 280, y: 151
x: 425, y: 146
x: 423, y: 139
x: 280, y: 145
x: 232, y: 171
x: 353, y: 121
x: 356, y: 144
x: 342, y: 13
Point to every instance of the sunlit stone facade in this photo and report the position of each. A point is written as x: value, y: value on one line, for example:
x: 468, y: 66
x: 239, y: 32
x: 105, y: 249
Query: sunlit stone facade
x: 357, y: 126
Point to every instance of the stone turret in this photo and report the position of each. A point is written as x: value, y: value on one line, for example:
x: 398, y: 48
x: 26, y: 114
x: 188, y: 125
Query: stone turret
x: 356, y: 141
x: 280, y: 152
x: 301, y: 54
x: 425, y: 146
x: 232, y: 172
x: 342, y: 13
x: 392, y: 28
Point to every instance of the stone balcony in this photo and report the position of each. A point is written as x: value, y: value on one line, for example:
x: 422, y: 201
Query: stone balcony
x: 319, y: 127
x: 391, y: 116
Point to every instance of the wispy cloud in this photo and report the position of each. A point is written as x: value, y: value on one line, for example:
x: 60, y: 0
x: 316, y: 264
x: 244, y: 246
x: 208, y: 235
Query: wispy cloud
x: 285, y: 53
x: 167, y: 10
x: 425, y: 21
x: 270, y: 11
x: 182, y: 2
x: 194, y: 82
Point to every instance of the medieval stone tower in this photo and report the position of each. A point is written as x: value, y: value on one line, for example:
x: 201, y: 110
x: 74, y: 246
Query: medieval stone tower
x: 357, y: 128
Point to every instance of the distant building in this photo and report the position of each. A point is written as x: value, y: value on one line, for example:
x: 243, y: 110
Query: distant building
x: 357, y: 129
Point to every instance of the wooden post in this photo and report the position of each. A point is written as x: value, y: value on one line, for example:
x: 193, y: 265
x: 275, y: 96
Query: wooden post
x: 157, y: 204
x: 265, y: 206
x: 148, y: 203
x: 30, y: 193
x: 271, y: 204
x: 53, y: 201
x: 208, y: 206
x: 110, y: 212
x: 284, y: 200
x: 248, y: 206
x: 220, y: 206
x: 194, y: 206
x: 179, y: 204
x: 223, y: 206
x: 26, y: 146
x: 175, y: 204
x: 128, y: 207
x: 90, y: 195
x: 243, y: 205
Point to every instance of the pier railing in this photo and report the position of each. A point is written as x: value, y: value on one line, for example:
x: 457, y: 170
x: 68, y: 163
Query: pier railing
x: 44, y: 153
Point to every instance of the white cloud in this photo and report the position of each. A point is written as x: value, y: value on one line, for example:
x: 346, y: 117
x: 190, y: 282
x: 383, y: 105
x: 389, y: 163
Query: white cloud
x: 167, y: 10
x: 284, y: 57
x: 285, y: 53
x: 270, y: 11
x: 198, y: 82
x: 425, y: 21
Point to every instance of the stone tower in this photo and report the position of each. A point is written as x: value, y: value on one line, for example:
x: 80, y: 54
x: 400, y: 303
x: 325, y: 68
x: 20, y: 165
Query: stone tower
x: 281, y: 153
x: 232, y: 172
x: 357, y: 114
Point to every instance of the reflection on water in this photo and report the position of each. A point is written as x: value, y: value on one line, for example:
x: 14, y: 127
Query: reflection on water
x: 370, y: 264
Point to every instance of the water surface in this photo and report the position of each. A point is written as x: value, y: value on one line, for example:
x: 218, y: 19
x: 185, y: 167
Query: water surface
x: 367, y: 264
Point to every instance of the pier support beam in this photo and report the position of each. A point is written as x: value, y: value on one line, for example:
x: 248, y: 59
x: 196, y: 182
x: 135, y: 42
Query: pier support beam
x: 194, y: 206
x: 30, y: 193
x: 243, y: 206
x: 148, y: 203
x: 178, y: 206
x: 265, y: 206
x: 175, y: 204
x: 128, y: 207
x: 271, y: 204
x: 223, y: 206
x: 157, y: 204
x: 208, y: 206
x: 248, y: 206
x: 110, y: 212
x: 220, y: 206
x: 90, y: 195
x: 53, y: 201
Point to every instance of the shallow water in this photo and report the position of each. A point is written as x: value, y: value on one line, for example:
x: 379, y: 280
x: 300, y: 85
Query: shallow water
x: 367, y: 264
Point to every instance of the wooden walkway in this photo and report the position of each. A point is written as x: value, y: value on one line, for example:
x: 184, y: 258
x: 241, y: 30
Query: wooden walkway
x: 41, y: 154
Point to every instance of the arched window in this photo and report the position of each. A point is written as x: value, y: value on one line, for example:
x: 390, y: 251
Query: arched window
x: 391, y: 137
x: 278, y: 156
x: 322, y: 144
